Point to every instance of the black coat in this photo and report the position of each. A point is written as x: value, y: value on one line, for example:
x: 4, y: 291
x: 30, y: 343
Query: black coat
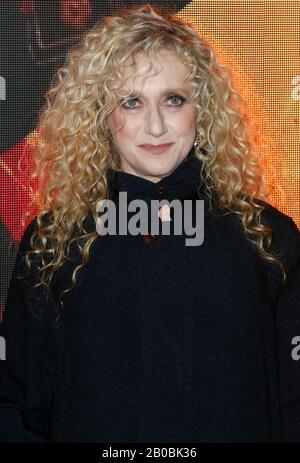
x: 160, y: 342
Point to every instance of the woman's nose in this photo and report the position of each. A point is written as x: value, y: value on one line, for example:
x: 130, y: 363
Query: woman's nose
x: 155, y: 121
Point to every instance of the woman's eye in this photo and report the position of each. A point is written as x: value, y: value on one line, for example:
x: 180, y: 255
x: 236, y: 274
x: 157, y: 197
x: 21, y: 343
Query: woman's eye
x: 129, y: 104
x: 178, y: 98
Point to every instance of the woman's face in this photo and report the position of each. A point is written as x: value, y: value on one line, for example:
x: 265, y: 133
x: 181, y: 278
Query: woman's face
x: 163, y: 113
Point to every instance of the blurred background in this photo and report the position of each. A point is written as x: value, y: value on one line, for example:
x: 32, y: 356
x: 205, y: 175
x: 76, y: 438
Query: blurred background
x: 259, y: 40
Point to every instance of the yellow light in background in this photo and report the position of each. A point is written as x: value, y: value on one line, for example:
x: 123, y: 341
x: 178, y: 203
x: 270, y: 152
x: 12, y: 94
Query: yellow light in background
x: 260, y: 41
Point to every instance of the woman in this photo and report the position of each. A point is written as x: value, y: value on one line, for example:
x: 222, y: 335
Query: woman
x: 139, y: 337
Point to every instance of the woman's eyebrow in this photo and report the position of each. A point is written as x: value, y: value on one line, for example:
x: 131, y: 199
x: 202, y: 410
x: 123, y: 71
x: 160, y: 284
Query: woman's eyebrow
x: 163, y: 92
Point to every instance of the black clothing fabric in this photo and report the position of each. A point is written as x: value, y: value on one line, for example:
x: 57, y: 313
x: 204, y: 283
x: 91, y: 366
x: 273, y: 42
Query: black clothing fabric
x: 159, y: 341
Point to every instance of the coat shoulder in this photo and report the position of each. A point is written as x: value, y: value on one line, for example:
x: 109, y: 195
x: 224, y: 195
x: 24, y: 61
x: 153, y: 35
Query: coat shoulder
x: 274, y: 216
x: 285, y: 233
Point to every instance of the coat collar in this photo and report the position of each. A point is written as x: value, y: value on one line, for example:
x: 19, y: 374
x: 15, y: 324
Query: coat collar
x: 181, y: 184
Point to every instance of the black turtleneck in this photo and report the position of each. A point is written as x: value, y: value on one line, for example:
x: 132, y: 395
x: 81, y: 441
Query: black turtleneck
x: 182, y: 183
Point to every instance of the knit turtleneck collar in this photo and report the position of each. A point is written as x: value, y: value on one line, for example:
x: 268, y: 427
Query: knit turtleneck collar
x: 181, y: 184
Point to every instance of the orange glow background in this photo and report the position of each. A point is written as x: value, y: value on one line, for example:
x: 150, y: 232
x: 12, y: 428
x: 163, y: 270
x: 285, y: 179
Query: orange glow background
x: 260, y: 41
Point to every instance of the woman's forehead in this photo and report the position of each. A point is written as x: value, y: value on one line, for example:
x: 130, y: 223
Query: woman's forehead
x: 164, y: 72
x: 155, y: 59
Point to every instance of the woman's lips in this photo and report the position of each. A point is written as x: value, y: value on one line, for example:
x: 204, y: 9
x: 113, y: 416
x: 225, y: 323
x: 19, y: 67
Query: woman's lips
x: 156, y: 149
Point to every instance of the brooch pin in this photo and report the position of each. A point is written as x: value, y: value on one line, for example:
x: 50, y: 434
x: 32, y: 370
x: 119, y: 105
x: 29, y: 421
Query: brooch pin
x: 164, y: 213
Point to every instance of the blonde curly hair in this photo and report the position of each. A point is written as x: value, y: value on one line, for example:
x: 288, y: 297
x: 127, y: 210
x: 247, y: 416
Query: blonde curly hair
x: 75, y: 148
